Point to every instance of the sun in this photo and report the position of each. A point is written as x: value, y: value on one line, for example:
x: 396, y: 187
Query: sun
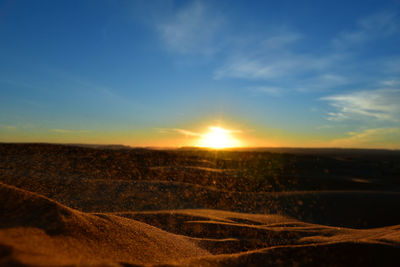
x: 218, y: 138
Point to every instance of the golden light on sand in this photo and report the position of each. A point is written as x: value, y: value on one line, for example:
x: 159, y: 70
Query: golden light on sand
x: 218, y: 138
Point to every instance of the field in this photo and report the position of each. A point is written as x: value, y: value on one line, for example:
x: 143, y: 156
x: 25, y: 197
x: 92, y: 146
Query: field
x: 118, y: 206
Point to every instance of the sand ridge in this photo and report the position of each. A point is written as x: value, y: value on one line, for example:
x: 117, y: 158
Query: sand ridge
x: 38, y: 230
x: 63, y: 206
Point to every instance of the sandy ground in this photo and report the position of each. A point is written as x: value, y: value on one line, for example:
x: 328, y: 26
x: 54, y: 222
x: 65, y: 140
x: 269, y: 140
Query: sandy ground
x: 55, y: 220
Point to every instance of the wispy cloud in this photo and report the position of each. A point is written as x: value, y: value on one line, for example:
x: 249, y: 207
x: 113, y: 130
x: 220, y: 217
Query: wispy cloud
x: 267, y: 67
x: 61, y: 131
x: 280, y: 40
x: 320, y: 82
x: 391, y: 66
x: 268, y: 58
x: 391, y: 83
x: 193, y: 29
x: 277, y: 58
x: 326, y: 126
x: 193, y: 133
x: 373, y: 138
x: 337, y: 116
x: 177, y: 130
x: 67, y: 131
x: 186, y: 132
x: 270, y: 90
x: 375, y: 26
x: 381, y: 104
x: 8, y: 127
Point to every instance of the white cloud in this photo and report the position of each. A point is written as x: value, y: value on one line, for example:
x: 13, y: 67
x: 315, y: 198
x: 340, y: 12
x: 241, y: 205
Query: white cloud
x: 373, y: 138
x: 194, y: 29
x: 381, y: 104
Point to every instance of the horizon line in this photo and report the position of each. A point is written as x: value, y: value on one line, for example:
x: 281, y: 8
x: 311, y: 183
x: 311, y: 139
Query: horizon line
x: 198, y: 147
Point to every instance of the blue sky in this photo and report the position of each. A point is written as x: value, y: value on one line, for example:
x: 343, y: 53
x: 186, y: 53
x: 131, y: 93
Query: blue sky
x: 278, y: 73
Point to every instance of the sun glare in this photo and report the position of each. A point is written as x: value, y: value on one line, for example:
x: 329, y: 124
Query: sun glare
x: 218, y: 138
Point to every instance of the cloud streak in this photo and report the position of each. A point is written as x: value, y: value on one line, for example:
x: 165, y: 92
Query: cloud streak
x: 275, y: 61
x: 67, y: 131
x: 276, y: 57
x: 270, y: 90
x: 268, y: 58
x: 177, y: 130
x: 186, y: 132
x: 8, y: 127
x: 192, y: 30
x: 192, y: 133
x: 380, y: 104
x: 373, y: 138
x: 375, y: 26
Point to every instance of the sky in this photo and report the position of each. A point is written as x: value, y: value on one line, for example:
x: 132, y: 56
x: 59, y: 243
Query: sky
x: 161, y: 73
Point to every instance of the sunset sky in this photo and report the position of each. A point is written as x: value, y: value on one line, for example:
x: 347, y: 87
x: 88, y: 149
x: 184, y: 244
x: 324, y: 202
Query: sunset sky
x: 161, y: 73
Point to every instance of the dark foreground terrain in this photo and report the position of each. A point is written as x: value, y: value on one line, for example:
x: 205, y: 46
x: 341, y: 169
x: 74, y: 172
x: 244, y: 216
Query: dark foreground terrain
x: 116, y: 206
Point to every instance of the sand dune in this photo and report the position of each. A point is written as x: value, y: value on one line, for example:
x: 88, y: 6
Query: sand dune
x: 38, y: 231
x: 357, y: 209
x: 57, y: 211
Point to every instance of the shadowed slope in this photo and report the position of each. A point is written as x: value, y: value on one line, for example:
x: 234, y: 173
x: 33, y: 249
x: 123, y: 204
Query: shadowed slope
x: 356, y: 209
x: 330, y: 254
x: 224, y: 232
x: 346, y: 188
x: 193, y: 209
x: 36, y: 230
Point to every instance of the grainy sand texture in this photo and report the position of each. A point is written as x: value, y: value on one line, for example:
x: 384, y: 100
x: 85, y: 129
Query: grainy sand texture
x: 114, y: 206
